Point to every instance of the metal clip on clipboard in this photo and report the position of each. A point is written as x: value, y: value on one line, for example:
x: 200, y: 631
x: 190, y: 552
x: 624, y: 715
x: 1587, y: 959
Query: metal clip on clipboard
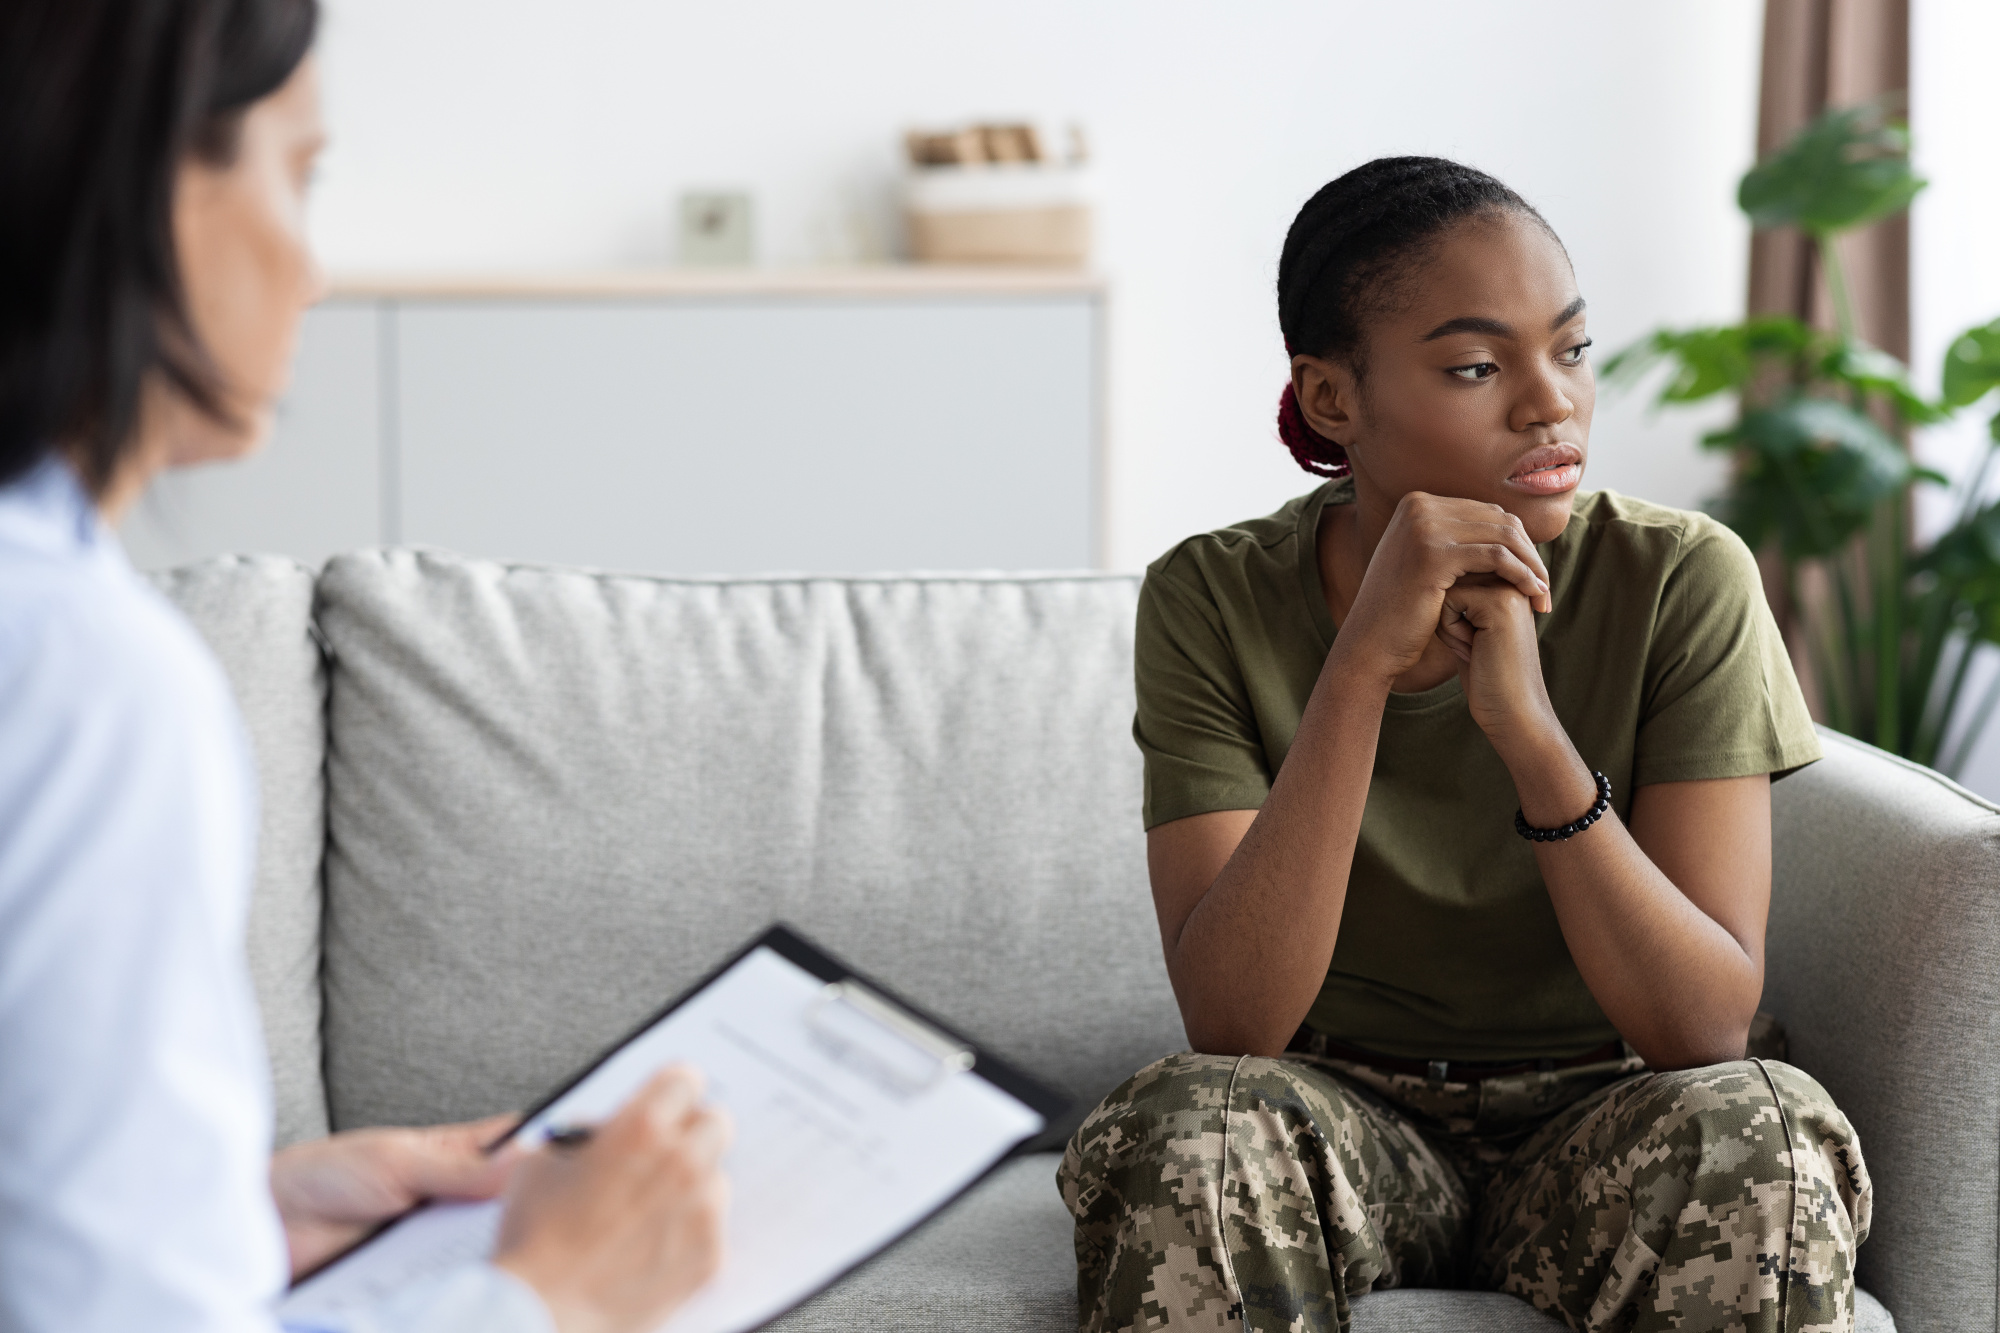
x: 875, y: 1038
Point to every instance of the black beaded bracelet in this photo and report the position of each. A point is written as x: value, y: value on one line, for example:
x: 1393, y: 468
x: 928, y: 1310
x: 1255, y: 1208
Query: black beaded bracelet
x: 1575, y: 826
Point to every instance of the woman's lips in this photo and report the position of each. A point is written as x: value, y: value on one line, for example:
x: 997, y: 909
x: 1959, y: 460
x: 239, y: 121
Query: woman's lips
x: 1549, y: 470
x: 1549, y: 480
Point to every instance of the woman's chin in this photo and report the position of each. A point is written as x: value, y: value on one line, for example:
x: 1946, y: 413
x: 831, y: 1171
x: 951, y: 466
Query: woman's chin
x: 1544, y: 516
x: 206, y: 440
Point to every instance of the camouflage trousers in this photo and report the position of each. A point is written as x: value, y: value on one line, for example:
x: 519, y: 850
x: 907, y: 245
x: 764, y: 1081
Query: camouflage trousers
x: 1213, y: 1192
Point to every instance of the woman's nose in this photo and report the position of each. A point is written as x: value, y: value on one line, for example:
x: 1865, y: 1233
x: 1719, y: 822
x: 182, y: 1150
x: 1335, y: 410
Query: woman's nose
x: 1543, y: 403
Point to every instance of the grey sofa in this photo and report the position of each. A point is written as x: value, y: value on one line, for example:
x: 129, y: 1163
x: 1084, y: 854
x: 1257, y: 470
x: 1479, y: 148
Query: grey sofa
x: 508, y: 810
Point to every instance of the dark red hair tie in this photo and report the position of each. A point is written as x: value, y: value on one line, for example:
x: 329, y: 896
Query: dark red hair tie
x: 1310, y: 449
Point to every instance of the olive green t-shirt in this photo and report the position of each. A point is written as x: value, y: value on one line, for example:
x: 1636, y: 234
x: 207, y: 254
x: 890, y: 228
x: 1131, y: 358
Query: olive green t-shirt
x: 1662, y: 661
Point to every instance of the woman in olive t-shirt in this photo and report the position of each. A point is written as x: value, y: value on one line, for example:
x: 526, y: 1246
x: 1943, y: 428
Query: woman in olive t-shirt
x: 1459, y: 825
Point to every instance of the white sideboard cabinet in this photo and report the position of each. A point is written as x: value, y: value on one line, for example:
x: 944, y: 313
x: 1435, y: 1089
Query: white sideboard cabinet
x: 678, y: 422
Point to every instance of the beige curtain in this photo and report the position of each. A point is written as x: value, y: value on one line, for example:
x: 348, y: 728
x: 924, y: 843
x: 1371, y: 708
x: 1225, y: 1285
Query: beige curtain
x: 1817, y: 54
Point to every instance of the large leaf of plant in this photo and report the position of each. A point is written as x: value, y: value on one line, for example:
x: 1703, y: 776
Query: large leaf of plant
x: 1849, y: 167
x: 1811, y: 472
x: 1966, y: 563
x: 1972, y: 365
x: 1869, y: 371
x: 1711, y: 360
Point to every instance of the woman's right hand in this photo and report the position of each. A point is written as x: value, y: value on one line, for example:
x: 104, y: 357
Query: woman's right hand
x: 1432, y: 542
x: 616, y: 1233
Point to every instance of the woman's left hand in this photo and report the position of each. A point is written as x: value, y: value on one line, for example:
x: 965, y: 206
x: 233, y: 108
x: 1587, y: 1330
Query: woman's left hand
x: 1490, y: 627
x: 331, y: 1192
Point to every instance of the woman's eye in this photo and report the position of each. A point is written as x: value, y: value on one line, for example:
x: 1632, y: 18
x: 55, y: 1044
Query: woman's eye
x: 1483, y: 371
x: 1574, y: 356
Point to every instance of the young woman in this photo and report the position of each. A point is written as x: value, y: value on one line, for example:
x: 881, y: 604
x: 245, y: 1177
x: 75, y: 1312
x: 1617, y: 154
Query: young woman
x: 1458, y: 809
x: 153, y: 266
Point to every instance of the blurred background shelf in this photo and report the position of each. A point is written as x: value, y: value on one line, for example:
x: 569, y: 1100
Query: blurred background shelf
x: 856, y: 280
x: 678, y: 420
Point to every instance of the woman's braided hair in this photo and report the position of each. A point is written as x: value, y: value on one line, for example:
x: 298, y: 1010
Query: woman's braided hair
x: 1336, y: 267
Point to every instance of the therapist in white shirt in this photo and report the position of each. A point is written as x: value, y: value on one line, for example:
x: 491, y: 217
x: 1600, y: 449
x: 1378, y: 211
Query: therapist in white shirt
x: 154, y: 156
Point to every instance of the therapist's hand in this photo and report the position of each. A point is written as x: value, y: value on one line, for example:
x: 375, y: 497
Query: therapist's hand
x: 615, y: 1234
x: 332, y: 1191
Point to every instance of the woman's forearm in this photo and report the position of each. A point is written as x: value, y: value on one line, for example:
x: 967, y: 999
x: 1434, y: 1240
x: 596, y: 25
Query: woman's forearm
x: 1249, y: 920
x: 1250, y: 958
x: 1671, y: 979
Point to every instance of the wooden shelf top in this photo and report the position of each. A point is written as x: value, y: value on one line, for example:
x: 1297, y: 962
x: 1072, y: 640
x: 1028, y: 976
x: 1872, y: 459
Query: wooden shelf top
x: 874, y: 280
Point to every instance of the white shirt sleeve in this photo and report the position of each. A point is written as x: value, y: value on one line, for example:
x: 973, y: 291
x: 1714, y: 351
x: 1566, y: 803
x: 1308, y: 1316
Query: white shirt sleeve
x: 134, y: 1189
x: 135, y: 1109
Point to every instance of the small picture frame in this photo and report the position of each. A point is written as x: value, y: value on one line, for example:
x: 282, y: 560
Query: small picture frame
x: 715, y: 227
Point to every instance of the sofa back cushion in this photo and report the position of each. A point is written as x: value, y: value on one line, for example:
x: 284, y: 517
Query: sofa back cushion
x: 256, y: 614
x: 557, y: 798
x: 1885, y: 928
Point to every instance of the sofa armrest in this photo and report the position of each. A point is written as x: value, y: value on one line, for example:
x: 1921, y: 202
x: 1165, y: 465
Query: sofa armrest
x: 1884, y: 963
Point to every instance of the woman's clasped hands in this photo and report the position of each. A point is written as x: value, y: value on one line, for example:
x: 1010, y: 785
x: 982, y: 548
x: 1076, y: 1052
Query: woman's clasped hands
x: 1465, y: 574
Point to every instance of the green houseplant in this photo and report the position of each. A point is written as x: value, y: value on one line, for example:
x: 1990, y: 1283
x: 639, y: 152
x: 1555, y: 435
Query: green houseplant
x: 1823, y: 478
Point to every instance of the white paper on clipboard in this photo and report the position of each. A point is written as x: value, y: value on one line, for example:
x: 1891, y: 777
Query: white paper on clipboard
x: 853, y: 1123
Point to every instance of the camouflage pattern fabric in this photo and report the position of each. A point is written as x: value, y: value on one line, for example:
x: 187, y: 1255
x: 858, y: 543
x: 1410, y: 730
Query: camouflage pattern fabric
x: 1212, y: 1192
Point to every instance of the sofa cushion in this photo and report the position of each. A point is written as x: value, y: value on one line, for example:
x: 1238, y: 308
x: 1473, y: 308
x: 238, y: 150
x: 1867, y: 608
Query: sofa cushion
x: 557, y: 798
x: 1885, y: 928
x: 1000, y: 1260
x: 256, y: 614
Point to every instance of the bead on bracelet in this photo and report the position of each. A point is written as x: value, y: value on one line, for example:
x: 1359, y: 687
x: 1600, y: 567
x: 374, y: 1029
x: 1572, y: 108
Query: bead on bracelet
x: 1575, y: 826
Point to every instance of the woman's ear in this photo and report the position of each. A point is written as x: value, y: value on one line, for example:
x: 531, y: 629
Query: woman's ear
x: 1329, y: 397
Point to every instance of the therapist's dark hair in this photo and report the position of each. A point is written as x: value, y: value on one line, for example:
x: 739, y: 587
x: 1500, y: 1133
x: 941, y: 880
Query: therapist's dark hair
x: 100, y: 103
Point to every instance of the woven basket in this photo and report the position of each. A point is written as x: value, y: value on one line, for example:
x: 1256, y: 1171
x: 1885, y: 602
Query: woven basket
x: 1054, y: 235
x: 1012, y: 213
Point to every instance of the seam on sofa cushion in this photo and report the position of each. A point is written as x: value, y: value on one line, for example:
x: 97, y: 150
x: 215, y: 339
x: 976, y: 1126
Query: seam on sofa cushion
x: 1909, y: 765
x: 1000, y: 576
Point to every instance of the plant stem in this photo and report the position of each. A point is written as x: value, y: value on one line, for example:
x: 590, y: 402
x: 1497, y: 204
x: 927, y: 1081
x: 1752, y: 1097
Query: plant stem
x: 1824, y: 643
x: 1963, y: 750
x: 1886, y: 536
x: 1836, y: 285
x: 1850, y: 642
x: 1921, y: 712
x: 1969, y: 505
x: 1934, y: 741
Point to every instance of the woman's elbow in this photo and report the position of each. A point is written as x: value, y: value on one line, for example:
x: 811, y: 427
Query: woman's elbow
x: 1230, y: 1039
x: 1695, y: 1047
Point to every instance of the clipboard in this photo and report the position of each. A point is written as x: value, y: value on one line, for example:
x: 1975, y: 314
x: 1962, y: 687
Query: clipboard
x: 860, y: 1117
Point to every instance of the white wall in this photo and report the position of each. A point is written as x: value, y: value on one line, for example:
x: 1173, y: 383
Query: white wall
x: 1954, y: 263
x: 531, y: 133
